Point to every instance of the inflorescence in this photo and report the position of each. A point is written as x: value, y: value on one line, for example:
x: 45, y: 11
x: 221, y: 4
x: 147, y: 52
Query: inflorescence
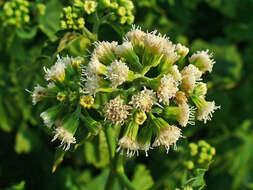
x: 75, y: 15
x: 144, y: 86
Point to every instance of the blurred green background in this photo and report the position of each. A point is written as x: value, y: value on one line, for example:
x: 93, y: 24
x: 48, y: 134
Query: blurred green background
x: 223, y: 26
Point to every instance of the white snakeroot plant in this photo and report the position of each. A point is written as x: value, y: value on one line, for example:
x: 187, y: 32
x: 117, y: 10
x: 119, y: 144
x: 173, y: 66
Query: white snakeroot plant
x: 144, y: 87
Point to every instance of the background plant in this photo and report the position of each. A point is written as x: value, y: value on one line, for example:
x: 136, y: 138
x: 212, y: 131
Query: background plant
x: 222, y: 26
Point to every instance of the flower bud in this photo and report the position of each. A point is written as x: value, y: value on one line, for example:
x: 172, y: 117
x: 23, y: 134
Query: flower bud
x: 189, y: 164
x: 180, y: 97
x: 128, y: 141
x: 90, y: 6
x: 200, y: 89
x: 86, y: 101
x: 61, y: 96
x: 140, y: 117
x: 50, y: 115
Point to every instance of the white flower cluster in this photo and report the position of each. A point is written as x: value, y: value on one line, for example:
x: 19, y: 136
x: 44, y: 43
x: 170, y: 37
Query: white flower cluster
x: 142, y: 85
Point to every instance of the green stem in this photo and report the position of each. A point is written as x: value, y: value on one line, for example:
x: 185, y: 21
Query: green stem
x: 87, y: 33
x: 110, y: 139
x: 110, y: 180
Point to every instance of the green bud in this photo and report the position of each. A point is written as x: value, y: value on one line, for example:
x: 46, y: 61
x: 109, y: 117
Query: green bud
x: 189, y: 164
x: 130, y: 19
x: 86, y: 101
x: 92, y: 125
x: 90, y: 6
x: 144, y: 138
x: 121, y: 11
x: 123, y: 20
x: 61, y: 96
x: 42, y: 8
x: 72, y: 96
x: 170, y: 112
x: 212, y: 151
x: 140, y: 117
x: 50, y: 115
x: 193, y: 149
x: 200, y: 89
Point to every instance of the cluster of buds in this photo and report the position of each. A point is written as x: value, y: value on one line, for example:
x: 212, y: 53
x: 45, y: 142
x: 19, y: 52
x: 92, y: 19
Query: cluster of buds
x: 16, y: 13
x: 120, y: 11
x: 71, y: 19
x: 141, y: 85
x: 200, y: 155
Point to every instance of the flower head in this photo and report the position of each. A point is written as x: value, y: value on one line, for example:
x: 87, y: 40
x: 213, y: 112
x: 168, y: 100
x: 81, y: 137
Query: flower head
x: 38, y: 93
x: 57, y: 71
x: 117, y: 72
x: 91, y: 84
x: 128, y: 141
x: 65, y: 137
x: 182, y: 50
x: 95, y: 67
x: 186, y: 115
x: 167, y: 89
x: 192, y: 70
x: 173, y: 70
x: 205, y: 112
x: 135, y: 35
x: 120, y: 50
x: 116, y: 111
x: 104, y: 51
x: 144, y: 100
x: 168, y: 136
x: 202, y: 60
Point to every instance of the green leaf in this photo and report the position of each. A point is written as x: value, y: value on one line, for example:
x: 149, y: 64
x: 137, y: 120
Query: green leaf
x: 96, y: 151
x: 27, y: 34
x: 26, y: 139
x: 49, y: 23
x: 58, y: 158
x: 4, y: 124
x: 142, y: 178
x: 19, y: 186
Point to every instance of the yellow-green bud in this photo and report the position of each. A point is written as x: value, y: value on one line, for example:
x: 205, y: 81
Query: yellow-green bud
x: 123, y: 20
x: 61, y: 96
x: 130, y: 19
x: 86, y: 101
x: 189, y: 164
x: 140, y: 117
x: 121, y: 11
x: 90, y: 6
x: 26, y: 18
x: 42, y: 8
x: 193, y: 149
x: 212, y: 151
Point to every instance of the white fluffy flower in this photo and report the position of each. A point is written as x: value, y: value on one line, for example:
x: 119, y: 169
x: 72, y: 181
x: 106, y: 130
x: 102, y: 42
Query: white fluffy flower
x: 144, y: 100
x: 94, y: 67
x: 117, y: 72
x: 65, y: 137
x: 167, y: 89
x: 91, y: 84
x: 174, y: 71
x: 38, y: 93
x: 188, y: 82
x: 205, y: 111
x: 202, y: 60
x: 186, y: 115
x: 167, y: 137
x: 135, y: 35
x: 47, y: 119
x: 192, y: 70
x: 104, y: 49
x: 129, y: 144
x: 182, y: 50
x: 57, y: 71
x: 116, y: 111
x: 121, y: 49
x: 157, y: 42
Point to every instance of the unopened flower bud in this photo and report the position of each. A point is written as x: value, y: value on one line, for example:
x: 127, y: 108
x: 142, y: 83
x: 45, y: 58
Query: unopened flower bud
x: 86, y: 101
x: 61, y: 96
x: 140, y: 117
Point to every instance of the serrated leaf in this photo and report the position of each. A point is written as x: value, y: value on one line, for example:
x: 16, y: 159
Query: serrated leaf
x: 142, y: 178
